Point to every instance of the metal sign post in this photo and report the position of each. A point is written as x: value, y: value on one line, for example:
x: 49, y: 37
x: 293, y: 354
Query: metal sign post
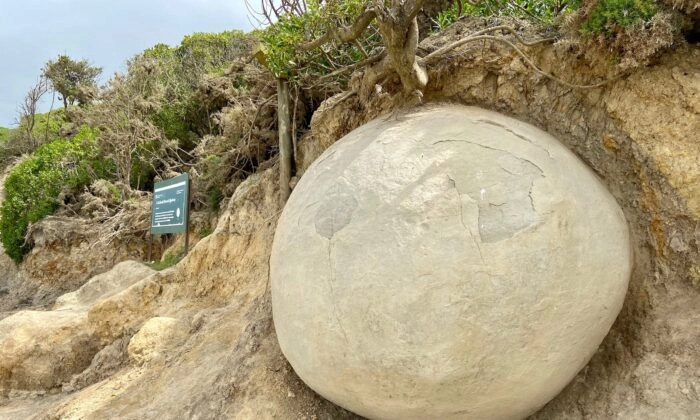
x: 170, y: 212
x: 187, y: 216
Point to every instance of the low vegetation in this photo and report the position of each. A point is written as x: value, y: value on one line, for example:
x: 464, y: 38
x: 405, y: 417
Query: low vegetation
x: 4, y: 134
x: 168, y: 260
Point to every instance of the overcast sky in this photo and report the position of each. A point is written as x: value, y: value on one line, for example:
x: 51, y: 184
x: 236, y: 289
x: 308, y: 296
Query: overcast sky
x: 105, y: 32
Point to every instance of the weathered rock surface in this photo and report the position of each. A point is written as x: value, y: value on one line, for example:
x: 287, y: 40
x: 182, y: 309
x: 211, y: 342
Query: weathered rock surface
x: 9, y: 280
x: 104, y: 285
x: 430, y: 220
x: 41, y: 350
x: 155, y: 337
x: 122, y: 313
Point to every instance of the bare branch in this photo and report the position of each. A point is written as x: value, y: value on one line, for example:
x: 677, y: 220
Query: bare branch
x: 28, y: 108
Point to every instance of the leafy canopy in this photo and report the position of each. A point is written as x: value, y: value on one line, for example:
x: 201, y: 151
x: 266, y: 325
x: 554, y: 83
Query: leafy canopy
x: 75, y: 81
x: 281, y: 41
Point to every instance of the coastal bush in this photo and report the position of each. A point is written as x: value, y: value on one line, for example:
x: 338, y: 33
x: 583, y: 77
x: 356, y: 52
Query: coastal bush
x: 32, y: 188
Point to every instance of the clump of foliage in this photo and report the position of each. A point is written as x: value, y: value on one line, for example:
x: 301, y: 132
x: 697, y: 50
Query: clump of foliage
x: 281, y: 42
x: 142, y: 126
x: 601, y: 16
x: 245, y: 131
x: 19, y: 140
x: 608, y: 17
x: 182, y: 71
x: 202, y: 52
x: 213, y: 170
x: 32, y: 187
x: 6, y: 152
x: 122, y: 117
x: 544, y: 11
x: 629, y: 33
x: 75, y: 81
x: 170, y: 259
x: 4, y: 134
x: 48, y: 125
x: 150, y: 117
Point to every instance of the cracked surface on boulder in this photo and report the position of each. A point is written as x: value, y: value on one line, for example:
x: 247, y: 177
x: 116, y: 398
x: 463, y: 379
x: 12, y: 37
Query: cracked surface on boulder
x: 455, y: 263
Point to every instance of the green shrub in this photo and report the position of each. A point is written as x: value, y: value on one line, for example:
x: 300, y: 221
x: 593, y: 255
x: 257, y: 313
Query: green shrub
x: 608, y: 15
x: 213, y: 177
x: 214, y: 198
x: 543, y: 11
x: 206, y: 231
x: 171, y: 120
x: 142, y: 175
x: 4, y: 134
x: 179, y: 72
x: 280, y: 42
x: 210, y: 51
x: 32, y: 187
x: 17, y: 141
x: 47, y: 126
x: 7, y: 149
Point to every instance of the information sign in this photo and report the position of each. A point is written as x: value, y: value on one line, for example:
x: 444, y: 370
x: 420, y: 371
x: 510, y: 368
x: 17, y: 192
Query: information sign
x: 170, y: 205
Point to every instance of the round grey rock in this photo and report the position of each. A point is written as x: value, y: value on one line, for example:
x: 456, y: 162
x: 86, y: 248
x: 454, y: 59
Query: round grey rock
x: 452, y: 263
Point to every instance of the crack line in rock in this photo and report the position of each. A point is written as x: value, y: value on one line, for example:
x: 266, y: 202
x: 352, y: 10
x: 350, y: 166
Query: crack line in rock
x: 532, y: 200
x: 520, y: 136
x: 461, y: 217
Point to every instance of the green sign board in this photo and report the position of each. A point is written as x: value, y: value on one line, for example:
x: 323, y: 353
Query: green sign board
x: 171, y: 200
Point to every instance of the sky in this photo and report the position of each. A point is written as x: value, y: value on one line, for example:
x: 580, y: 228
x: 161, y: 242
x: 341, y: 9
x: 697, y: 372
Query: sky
x: 104, y: 32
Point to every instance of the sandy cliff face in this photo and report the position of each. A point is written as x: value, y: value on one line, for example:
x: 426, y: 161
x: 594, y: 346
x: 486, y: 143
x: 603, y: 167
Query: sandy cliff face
x: 11, y: 281
x: 220, y: 358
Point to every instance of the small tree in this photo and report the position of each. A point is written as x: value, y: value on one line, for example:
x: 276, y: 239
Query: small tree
x: 27, y: 110
x: 75, y: 81
x: 319, y: 39
x: 316, y: 25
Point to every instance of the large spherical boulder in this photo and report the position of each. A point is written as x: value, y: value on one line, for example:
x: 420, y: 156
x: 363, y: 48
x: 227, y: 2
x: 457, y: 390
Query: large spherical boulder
x: 448, y: 263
